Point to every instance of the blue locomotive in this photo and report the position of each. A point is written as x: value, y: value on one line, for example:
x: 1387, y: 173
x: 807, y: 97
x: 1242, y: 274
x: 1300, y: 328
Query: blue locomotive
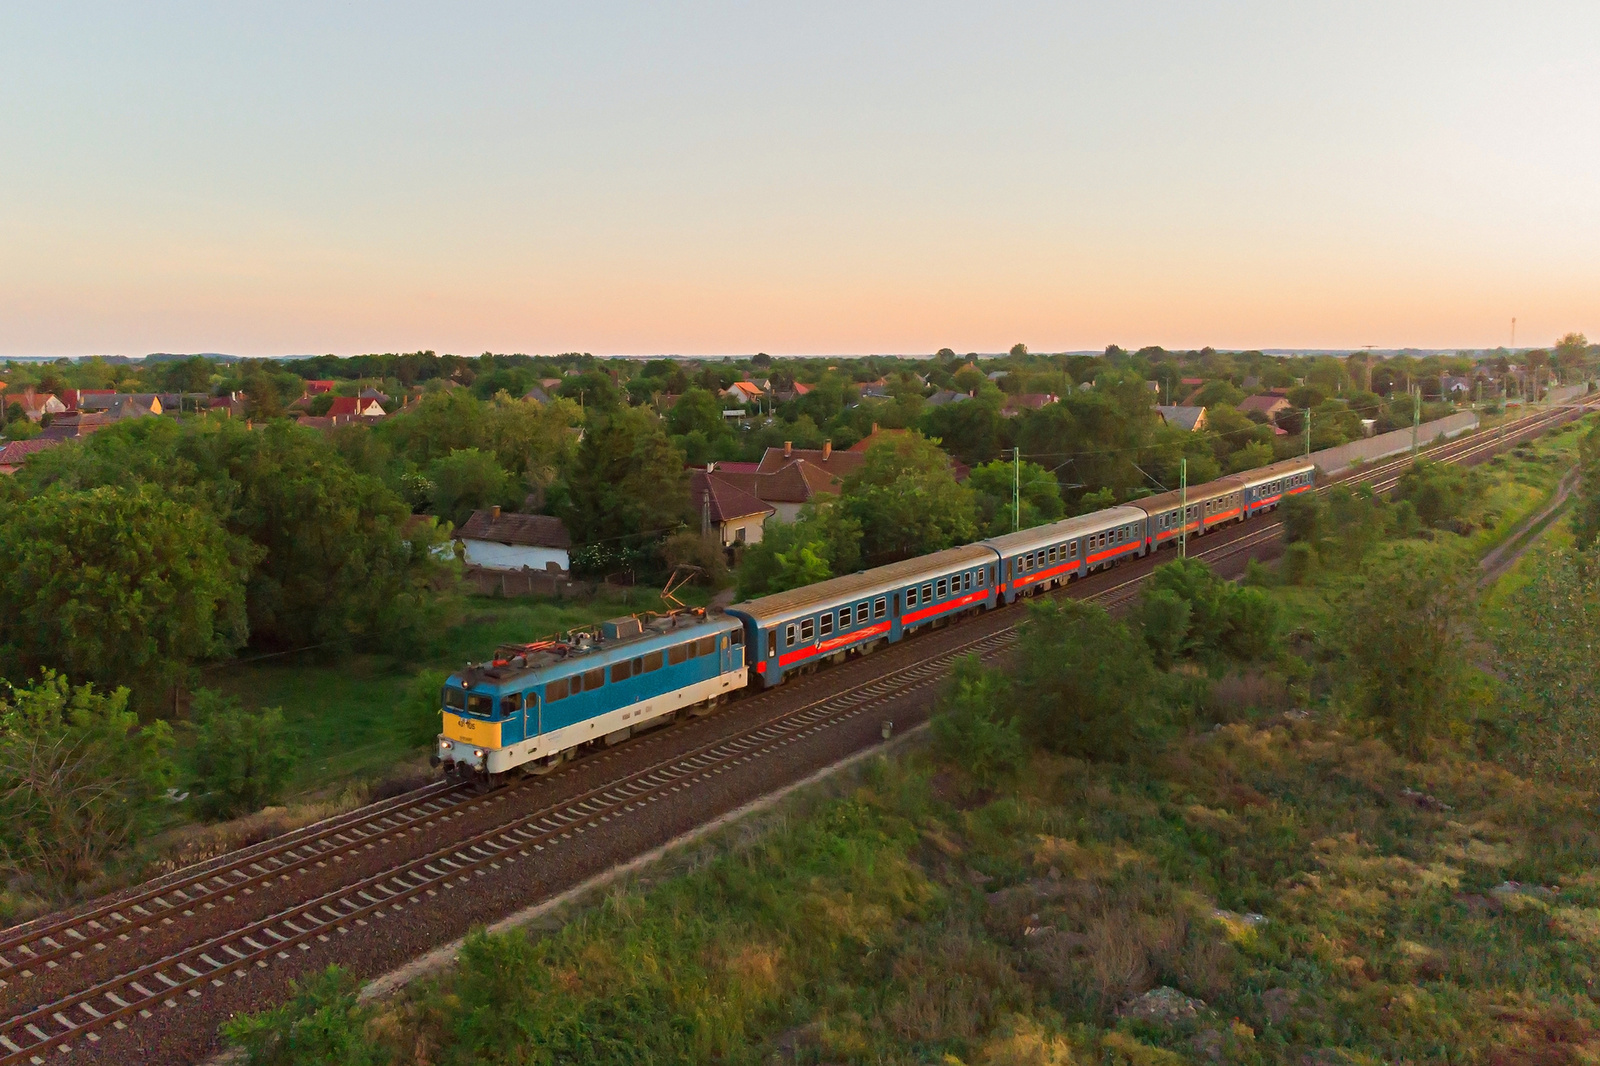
x: 534, y: 705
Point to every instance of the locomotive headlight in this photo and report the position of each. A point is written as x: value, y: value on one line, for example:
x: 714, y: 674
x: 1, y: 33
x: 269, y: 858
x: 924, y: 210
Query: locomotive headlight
x: 444, y: 745
x: 477, y: 753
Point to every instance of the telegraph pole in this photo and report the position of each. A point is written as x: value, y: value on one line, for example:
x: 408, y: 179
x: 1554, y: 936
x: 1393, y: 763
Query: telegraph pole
x: 1308, y: 432
x: 1183, y: 508
x: 1416, y: 419
x: 1016, y: 489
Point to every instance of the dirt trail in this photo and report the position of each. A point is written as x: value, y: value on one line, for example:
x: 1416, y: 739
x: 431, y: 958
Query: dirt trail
x: 1497, y: 562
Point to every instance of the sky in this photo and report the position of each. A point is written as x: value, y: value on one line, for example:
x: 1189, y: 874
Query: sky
x: 724, y: 178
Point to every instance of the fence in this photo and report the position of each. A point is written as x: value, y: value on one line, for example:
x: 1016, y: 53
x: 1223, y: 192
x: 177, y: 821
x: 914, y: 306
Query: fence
x: 1337, y: 460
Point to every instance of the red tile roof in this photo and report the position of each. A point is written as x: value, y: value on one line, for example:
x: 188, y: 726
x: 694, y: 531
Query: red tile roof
x: 837, y: 463
x: 16, y: 452
x: 727, y: 498
x: 528, y: 530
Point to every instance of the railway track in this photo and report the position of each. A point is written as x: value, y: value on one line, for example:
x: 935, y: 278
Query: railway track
x: 101, y: 1002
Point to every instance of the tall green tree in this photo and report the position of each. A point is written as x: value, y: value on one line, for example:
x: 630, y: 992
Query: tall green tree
x: 907, y: 500
x: 823, y: 542
x: 994, y: 484
x: 1404, y: 624
x: 467, y: 480
x: 118, y: 586
x: 1086, y: 686
x: 628, y: 480
x: 1586, y: 510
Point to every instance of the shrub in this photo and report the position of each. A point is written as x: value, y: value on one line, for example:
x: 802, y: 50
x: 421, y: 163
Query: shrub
x: 422, y: 716
x: 1087, y: 686
x: 974, y: 728
x: 321, y: 1025
x: 79, y: 777
x: 1164, y: 619
x: 692, y: 549
x: 242, y: 760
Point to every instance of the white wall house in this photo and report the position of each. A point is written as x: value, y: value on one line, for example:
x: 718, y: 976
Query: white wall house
x: 497, y: 540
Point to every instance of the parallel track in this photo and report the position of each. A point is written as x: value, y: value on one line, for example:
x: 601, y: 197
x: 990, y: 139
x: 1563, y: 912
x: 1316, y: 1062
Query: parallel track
x: 112, y: 1001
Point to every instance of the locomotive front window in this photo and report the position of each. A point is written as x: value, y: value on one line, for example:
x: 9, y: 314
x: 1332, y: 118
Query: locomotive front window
x: 807, y: 629
x: 480, y: 704
x: 455, y: 698
x: 826, y: 623
x: 511, y: 704
x: 652, y: 661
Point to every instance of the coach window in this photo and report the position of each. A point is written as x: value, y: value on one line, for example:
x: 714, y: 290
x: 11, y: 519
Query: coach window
x: 788, y: 635
x: 621, y: 672
x: 844, y: 619
x: 911, y: 596
x: 555, y: 690
x: 966, y: 580
x: 825, y: 623
x: 880, y: 607
x: 941, y: 590
x: 861, y: 613
x: 510, y: 705
x: 927, y: 593
x: 808, y: 629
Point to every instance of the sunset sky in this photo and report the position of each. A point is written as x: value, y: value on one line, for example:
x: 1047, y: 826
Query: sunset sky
x: 795, y: 178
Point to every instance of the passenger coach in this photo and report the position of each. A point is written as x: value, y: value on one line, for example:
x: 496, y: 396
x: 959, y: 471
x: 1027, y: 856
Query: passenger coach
x: 831, y: 620
x: 1048, y: 556
x: 534, y: 704
x: 1266, y: 488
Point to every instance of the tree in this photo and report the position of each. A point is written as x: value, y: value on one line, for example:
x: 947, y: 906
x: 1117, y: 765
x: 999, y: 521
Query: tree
x: 1586, y: 512
x: 118, y: 587
x: 628, y: 480
x: 80, y: 778
x: 1019, y: 351
x: 1086, y: 686
x: 242, y: 760
x: 907, y: 501
x: 974, y: 727
x: 822, y: 542
x: 993, y: 485
x: 1219, y: 619
x: 1547, y: 661
x: 468, y: 480
x: 697, y: 409
x: 1404, y: 629
x: 1444, y: 494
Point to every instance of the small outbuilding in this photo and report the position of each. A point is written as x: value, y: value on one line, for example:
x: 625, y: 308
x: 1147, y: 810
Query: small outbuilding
x: 497, y: 540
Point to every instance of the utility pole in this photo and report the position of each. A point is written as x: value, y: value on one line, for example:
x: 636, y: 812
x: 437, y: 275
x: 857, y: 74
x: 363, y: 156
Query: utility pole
x: 1416, y: 419
x: 1183, y: 508
x: 1016, y: 489
x: 1308, y: 432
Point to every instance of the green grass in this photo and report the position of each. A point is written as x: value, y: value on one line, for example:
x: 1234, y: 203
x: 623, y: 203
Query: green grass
x: 907, y: 921
x: 1520, y: 483
x: 345, y: 717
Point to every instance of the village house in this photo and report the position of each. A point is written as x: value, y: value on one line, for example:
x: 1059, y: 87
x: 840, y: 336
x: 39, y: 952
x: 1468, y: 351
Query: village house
x: 17, y: 452
x: 727, y: 506
x: 503, y: 540
x: 1190, y: 418
x: 1268, y: 405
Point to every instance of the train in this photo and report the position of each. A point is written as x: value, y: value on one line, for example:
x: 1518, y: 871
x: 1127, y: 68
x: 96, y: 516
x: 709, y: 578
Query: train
x: 532, y: 706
